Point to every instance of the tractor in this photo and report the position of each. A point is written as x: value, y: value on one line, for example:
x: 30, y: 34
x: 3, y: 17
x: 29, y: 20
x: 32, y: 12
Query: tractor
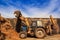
x: 37, y: 30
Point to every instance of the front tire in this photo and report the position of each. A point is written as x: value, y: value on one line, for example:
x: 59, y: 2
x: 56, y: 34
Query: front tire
x: 23, y: 35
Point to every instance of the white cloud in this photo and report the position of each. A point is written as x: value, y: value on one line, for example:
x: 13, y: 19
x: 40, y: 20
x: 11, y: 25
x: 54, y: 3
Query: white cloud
x: 7, y: 12
x: 43, y: 13
x: 33, y: 11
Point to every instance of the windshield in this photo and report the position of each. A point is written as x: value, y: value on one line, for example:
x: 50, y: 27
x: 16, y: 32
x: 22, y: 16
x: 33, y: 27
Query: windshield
x: 39, y: 23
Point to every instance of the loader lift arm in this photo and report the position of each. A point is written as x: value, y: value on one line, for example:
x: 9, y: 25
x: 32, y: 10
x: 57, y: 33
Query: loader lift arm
x: 23, y: 19
x: 26, y: 22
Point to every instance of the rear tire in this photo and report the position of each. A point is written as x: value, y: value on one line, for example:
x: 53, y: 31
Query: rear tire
x: 40, y: 33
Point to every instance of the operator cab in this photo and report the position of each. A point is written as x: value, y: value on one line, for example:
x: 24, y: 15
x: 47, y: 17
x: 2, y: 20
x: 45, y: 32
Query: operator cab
x: 37, y: 23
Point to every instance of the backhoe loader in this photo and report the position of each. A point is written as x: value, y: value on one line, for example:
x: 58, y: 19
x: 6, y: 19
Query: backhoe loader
x: 34, y: 28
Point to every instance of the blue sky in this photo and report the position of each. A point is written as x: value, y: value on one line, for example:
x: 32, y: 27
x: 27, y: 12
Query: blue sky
x: 31, y: 8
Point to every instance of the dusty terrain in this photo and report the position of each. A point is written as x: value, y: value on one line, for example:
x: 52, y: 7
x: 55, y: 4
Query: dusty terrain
x: 53, y: 37
x: 13, y: 36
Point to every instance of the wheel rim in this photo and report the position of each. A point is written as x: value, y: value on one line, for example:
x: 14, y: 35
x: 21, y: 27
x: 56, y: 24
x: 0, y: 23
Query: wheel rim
x: 40, y: 34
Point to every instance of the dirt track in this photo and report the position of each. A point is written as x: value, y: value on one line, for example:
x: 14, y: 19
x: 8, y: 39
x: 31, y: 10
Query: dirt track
x: 53, y: 37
